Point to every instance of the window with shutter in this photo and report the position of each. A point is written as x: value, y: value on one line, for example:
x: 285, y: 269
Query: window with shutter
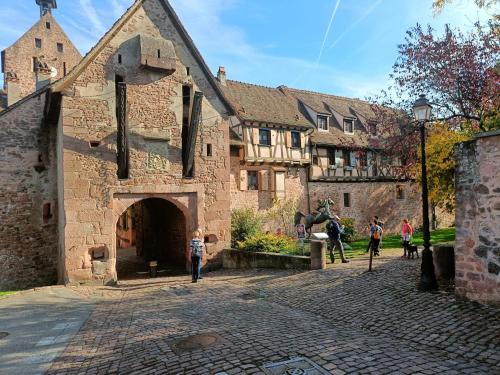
x: 252, y: 180
x: 296, y: 143
x: 264, y: 137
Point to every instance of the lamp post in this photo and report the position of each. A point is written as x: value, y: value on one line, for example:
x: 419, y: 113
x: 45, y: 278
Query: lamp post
x: 422, y: 112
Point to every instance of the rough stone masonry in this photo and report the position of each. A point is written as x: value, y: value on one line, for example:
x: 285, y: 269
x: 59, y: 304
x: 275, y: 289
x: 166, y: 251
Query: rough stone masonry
x: 477, y: 249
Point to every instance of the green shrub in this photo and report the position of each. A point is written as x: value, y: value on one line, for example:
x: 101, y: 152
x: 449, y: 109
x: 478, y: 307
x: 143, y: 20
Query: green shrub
x: 268, y: 243
x: 244, y: 223
x: 349, y: 233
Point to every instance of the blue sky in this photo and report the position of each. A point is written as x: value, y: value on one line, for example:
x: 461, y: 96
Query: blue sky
x: 344, y: 47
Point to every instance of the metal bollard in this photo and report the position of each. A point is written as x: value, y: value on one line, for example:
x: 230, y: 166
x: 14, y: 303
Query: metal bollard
x: 153, y: 265
x: 318, y: 255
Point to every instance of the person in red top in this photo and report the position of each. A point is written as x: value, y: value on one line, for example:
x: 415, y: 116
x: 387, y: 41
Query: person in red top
x: 406, y: 234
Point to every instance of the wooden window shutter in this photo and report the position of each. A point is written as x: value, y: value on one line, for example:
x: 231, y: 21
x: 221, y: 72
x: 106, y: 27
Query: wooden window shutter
x: 264, y: 180
x: 274, y: 136
x: 243, y: 180
x: 288, y: 139
x: 255, y: 136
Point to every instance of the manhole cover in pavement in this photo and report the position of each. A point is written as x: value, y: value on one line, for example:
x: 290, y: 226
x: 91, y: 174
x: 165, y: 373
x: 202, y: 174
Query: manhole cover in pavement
x: 294, y: 366
x: 3, y: 335
x: 197, y: 342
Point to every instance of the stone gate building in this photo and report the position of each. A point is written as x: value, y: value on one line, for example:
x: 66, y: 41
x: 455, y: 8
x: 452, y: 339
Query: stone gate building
x: 139, y: 122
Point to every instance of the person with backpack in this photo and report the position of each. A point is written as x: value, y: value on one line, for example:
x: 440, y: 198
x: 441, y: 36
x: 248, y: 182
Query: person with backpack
x: 334, y: 230
x: 196, y: 246
x: 376, y: 237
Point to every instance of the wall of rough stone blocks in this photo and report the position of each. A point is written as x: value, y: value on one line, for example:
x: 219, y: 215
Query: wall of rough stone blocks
x: 477, y: 245
x: 369, y: 199
x: 28, y: 243
x: 18, y: 58
x: 94, y: 198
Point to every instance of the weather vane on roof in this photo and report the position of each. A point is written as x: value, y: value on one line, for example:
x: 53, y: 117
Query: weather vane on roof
x: 46, y: 6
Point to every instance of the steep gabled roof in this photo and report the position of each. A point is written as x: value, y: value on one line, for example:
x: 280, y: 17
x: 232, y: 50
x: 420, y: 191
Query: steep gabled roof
x: 263, y: 104
x: 94, y: 52
x: 326, y: 103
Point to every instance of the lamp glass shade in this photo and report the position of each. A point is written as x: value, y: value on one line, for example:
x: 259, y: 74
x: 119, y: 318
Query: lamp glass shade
x: 422, y: 109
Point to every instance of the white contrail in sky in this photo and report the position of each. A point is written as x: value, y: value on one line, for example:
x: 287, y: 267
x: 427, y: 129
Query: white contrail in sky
x: 328, y: 31
x: 92, y: 15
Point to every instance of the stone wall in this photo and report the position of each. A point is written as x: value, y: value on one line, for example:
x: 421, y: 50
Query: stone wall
x: 94, y: 197
x: 239, y: 259
x: 372, y: 198
x: 18, y: 58
x: 28, y: 235
x: 477, y: 246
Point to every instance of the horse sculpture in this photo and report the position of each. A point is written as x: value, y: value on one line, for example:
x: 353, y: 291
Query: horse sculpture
x: 323, y: 214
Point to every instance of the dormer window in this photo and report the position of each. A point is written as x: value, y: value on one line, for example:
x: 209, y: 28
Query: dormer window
x: 322, y: 123
x: 349, y: 125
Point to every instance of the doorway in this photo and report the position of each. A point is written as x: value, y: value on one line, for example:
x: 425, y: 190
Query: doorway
x: 153, y: 229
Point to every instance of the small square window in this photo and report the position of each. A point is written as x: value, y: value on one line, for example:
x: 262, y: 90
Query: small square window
x: 94, y: 144
x: 235, y: 151
x: 348, y: 126
x: 209, y: 149
x: 158, y: 52
x: 265, y: 137
x: 252, y: 180
x: 296, y: 140
x: 47, y: 25
x: 400, y: 192
x: 322, y: 122
x: 38, y: 43
x: 60, y: 47
x: 347, y: 199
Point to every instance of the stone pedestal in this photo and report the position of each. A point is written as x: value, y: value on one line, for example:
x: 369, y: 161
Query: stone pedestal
x: 444, y: 261
x: 318, y: 255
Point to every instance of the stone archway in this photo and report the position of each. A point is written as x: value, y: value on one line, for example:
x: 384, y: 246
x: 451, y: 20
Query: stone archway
x: 151, y: 229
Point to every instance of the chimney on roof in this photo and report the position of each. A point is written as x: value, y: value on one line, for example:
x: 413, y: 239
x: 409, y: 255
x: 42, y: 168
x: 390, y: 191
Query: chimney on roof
x: 46, y: 6
x: 221, y: 75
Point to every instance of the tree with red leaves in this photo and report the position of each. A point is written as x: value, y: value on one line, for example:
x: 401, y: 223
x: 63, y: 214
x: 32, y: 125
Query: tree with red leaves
x: 460, y: 75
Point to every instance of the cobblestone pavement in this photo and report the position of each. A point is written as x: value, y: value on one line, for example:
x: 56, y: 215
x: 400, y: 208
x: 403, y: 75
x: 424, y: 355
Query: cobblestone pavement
x: 342, y: 318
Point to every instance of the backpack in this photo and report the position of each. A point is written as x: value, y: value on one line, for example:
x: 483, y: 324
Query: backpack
x: 332, y: 230
x: 378, y: 233
x: 196, y: 248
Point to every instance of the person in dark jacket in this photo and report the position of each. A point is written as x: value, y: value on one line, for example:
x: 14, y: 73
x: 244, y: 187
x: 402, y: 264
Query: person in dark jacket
x: 334, y: 230
x: 196, y: 246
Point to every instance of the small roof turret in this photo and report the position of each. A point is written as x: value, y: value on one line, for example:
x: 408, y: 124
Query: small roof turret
x: 46, y: 6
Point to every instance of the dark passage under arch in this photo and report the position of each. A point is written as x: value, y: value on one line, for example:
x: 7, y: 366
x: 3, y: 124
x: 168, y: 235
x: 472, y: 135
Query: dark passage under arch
x: 150, y: 230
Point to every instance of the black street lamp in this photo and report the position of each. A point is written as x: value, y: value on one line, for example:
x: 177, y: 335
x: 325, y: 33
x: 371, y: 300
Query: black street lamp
x: 422, y: 112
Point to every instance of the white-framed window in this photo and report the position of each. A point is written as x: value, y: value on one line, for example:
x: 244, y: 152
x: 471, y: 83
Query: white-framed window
x: 264, y: 137
x: 322, y: 123
x: 296, y: 140
x: 349, y: 125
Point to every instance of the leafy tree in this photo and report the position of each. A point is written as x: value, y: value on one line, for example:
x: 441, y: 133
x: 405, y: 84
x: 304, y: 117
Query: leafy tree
x: 245, y: 222
x: 439, y: 149
x: 438, y: 5
x: 282, y: 213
